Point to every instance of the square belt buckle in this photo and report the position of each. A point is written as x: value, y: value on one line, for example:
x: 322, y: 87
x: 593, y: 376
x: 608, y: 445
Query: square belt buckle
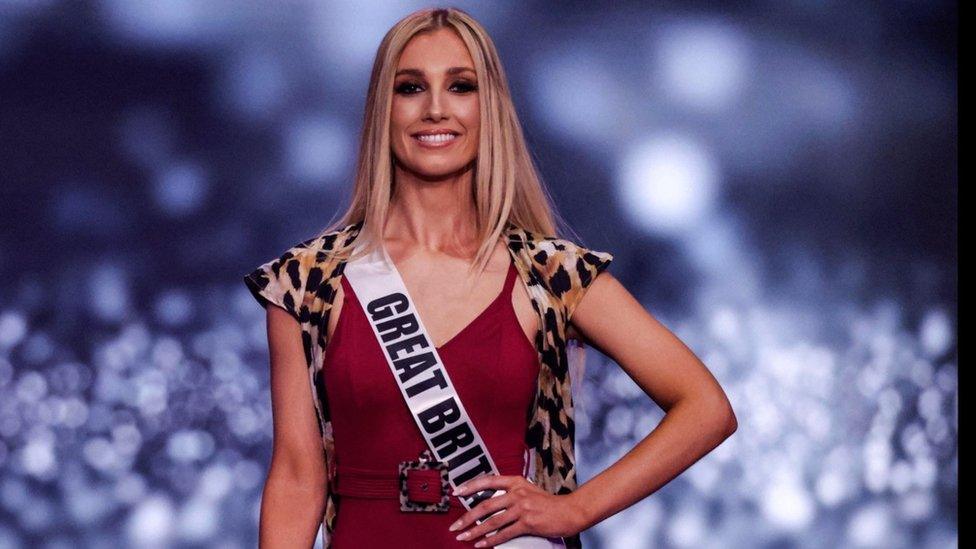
x: 424, y: 485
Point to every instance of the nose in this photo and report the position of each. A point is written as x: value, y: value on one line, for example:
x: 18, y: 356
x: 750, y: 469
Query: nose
x: 435, y: 109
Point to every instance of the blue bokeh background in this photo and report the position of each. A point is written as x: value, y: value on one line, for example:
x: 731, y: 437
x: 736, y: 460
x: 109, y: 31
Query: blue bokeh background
x: 777, y: 182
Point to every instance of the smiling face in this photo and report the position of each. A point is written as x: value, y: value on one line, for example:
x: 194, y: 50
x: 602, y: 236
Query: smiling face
x: 435, y: 117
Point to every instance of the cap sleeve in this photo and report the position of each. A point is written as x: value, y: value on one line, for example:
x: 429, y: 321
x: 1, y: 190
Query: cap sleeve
x: 584, y: 265
x: 281, y: 281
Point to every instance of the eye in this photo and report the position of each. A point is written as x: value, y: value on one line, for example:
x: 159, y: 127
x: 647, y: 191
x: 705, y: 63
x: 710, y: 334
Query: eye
x: 466, y: 86
x: 411, y: 88
x: 405, y: 87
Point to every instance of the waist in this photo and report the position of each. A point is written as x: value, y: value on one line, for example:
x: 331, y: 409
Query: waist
x: 358, y: 482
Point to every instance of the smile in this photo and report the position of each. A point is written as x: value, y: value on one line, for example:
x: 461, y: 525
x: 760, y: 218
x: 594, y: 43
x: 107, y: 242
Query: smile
x: 435, y: 141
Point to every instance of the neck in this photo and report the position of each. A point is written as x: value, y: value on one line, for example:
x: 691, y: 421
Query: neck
x: 435, y: 214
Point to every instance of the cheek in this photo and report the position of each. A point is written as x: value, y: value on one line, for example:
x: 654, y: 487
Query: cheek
x: 472, y: 114
x: 402, y: 114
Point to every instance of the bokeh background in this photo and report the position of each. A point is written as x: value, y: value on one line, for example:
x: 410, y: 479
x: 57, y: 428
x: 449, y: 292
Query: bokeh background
x: 777, y: 182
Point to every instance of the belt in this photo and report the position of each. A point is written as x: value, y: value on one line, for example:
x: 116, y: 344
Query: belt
x: 427, y: 489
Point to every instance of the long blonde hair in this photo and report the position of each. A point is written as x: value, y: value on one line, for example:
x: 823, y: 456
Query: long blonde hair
x: 507, y: 186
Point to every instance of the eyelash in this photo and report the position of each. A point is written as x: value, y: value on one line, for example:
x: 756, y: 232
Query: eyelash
x: 402, y: 88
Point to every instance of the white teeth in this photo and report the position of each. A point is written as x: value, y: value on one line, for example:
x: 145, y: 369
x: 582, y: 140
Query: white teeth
x: 436, y: 138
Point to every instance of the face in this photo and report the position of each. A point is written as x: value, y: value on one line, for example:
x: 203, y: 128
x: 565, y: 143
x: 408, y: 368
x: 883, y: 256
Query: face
x: 435, y: 91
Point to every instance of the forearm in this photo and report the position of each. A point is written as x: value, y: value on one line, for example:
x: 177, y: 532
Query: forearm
x: 291, y: 511
x: 688, y: 431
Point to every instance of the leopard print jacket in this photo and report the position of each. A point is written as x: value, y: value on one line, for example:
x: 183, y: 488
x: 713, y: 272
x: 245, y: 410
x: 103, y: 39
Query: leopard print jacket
x: 556, y: 272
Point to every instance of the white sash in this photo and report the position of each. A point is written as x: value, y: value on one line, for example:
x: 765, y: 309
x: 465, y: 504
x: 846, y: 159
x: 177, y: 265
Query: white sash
x: 423, y: 380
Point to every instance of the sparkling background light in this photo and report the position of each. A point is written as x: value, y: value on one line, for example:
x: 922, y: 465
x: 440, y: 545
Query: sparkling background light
x: 778, y: 185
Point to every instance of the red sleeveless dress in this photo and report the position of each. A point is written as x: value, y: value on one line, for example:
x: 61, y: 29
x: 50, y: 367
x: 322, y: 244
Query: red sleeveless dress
x: 494, y: 369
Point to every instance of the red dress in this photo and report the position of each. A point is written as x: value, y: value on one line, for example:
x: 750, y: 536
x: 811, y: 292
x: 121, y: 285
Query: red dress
x: 494, y: 369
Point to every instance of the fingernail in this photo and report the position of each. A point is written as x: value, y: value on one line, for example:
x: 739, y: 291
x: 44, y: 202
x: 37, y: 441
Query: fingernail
x: 455, y: 526
x: 480, y: 544
x: 463, y: 536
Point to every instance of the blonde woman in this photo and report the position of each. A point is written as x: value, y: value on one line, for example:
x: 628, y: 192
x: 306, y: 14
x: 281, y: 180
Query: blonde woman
x: 446, y: 188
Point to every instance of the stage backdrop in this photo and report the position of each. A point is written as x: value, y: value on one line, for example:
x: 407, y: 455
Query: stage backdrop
x: 777, y: 181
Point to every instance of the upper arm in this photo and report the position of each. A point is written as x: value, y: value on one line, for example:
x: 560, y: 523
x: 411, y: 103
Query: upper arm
x: 612, y: 320
x: 297, y: 449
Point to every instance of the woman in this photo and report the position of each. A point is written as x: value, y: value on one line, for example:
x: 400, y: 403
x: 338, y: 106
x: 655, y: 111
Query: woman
x: 447, y: 186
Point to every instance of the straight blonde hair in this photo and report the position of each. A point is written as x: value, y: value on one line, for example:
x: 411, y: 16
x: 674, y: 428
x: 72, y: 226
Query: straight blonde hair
x: 507, y: 186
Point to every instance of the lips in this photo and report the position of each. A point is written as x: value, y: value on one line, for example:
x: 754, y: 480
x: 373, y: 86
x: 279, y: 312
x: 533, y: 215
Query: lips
x: 437, y: 140
x: 434, y: 131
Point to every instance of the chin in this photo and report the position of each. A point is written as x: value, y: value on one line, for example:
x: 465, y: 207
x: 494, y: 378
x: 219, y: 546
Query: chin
x: 434, y: 170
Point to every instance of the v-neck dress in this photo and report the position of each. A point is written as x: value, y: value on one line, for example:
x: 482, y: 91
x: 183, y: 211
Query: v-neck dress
x: 494, y: 368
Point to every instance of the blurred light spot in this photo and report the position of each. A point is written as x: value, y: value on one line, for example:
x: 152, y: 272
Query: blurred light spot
x: 108, y: 292
x: 100, y: 454
x: 37, y: 455
x: 130, y: 488
x: 667, y: 184
x: 13, y: 328
x: 924, y: 473
x: 198, y: 520
x: 889, y: 402
x: 181, y: 189
x: 347, y: 33
x: 821, y: 97
x: 243, y: 422
x: 922, y: 372
x: 247, y: 475
x: 877, y: 459
x: 38, y: 515
x: 31, y: 387
x: 189, y: 446
x: 174, y: 308
x: 88, y: 505
x: 724, y: 325
x: 916, y: 506
x: 868, y: 526
x: 687, y: 527
x: 75, y: 413
x: 254, y: 83
x: 151, y: 523
x: 935, y: 333
x: 930, y: 404
x: 316, y: 150
x: 787, y: 504
x: 580, y: 97
x: 8, y: 537
x: 620, y: 422
x: 127, y: 440
x: 151, y: 393
x: 947, y: 378
x: 702, y: 64
x: 901, y: 477
x: 70, y: 377
x: 169, y: 24
x: 832, y: 488
x: 216, y: 482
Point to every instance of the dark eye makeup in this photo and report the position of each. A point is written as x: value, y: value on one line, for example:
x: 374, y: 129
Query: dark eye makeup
x: 406, y: 88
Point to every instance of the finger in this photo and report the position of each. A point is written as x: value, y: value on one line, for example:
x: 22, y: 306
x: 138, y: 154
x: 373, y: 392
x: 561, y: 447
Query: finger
x: 506, y: 533
x: 478, y: 484
x: 484, y: 508
x: 495, y: 522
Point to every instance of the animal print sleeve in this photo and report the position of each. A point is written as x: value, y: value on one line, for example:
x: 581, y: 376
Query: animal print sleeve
x: 583, y: 266
x: 281, y: 281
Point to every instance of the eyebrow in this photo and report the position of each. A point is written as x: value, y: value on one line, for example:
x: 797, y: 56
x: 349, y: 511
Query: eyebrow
x: 418, y: 72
